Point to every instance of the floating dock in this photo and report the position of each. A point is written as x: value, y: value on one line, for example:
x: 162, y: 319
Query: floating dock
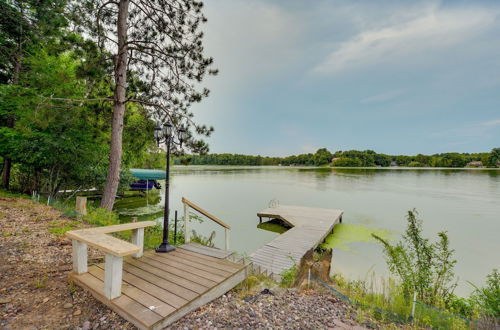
x: 310, y: 226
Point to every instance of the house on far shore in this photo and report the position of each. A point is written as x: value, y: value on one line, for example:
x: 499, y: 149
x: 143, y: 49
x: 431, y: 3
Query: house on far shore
x: 475, y: 163
x: 334, y: 159
x: 393, y: 163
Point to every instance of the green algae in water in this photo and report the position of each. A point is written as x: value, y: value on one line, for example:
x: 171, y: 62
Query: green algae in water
x: 347, y: 233
x: 274, y: 227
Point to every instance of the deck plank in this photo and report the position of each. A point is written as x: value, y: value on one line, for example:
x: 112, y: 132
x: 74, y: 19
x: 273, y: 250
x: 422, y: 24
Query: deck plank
x: 138, y: 295
x: 168, y: 285
x: 153, y: 289
x: 205, y: 250
x: 168, y: 276
x: 211, y: 263
x: 127, y: 307
x: 190, y: 268
x: 206, y: 267
x: 178, y: 271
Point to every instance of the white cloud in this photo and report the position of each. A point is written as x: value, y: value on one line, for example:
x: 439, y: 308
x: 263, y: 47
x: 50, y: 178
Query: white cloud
x: 430, y: 29
x: 495, y: 122
x: 383, y: 97
x: 478, y: 129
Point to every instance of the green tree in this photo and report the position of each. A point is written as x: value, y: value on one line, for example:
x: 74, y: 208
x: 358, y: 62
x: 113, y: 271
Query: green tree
x: 494, y: 159
x: 160, y: 42
x: 24, y: 26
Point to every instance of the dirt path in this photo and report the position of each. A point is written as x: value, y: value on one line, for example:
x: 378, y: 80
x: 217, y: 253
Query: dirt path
x: 34, y: 291
x: 35, y: 294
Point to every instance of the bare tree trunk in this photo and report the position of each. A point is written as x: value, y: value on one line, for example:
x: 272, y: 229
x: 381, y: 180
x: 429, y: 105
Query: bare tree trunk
x: 115, y: 154
x: 7, y: 161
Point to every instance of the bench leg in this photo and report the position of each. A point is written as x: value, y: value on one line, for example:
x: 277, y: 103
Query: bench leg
x: 79, y: 257
x: 113, y: 270
x: 138, y: 239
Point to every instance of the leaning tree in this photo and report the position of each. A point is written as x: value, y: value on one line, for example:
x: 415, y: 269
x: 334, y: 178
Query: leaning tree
x: 158, y: 61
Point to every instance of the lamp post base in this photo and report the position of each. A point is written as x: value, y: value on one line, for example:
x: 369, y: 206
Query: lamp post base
x: 165, y: 247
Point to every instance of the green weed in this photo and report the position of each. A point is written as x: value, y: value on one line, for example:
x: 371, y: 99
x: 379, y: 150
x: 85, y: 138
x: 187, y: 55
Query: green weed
x: 288, y: 276
x: 59, y: 228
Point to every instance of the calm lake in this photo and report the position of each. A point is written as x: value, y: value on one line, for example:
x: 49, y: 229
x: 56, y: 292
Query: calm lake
x: 466, y: 203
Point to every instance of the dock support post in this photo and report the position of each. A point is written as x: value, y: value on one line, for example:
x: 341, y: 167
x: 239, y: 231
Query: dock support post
x: 113, y: 269
x: 79, y: 257
x: 81, y: 205
x: 138, y: 239
x: 186, y: 223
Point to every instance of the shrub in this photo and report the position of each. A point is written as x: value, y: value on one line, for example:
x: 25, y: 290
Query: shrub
x: 488, y: 297
x: 420, y: 265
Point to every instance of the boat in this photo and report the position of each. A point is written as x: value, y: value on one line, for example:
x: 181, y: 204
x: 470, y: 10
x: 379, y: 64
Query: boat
x: 146, y: 179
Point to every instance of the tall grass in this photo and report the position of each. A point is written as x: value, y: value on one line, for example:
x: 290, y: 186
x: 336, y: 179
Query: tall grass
x: 384, y: 300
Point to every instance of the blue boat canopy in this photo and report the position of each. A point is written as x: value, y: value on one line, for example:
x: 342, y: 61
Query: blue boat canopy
x: 143, y: 174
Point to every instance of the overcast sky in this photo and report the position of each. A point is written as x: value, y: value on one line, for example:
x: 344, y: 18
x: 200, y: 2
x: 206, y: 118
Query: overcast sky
x: 398, y: 77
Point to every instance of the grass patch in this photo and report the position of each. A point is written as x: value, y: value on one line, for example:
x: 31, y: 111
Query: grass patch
x: 59, y: 228
x: 7, y: 193
x: 40, y: 281
x: 384, y: 301
x: 288, y: 276
x: 254, y: 283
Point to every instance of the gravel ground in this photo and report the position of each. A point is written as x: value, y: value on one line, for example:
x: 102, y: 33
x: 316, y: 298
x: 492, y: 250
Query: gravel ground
x: 280, y: 309
x: 35, y: 293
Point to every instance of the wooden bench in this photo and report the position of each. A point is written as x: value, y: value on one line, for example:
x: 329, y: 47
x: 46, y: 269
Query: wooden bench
x: 114, y: 248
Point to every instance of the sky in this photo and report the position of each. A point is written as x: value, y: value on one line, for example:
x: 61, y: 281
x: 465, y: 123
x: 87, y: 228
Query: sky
x: 397, y: 77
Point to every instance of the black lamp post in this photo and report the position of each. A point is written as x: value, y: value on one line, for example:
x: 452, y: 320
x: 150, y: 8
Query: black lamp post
x: 165, y: 135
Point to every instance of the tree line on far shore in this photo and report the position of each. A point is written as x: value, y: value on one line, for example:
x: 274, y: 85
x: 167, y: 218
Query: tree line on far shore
x: 350, y: 158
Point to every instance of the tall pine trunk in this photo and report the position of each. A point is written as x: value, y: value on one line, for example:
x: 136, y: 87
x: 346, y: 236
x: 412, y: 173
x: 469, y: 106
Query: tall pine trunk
x: 7, y: 161
x: 115, y: 154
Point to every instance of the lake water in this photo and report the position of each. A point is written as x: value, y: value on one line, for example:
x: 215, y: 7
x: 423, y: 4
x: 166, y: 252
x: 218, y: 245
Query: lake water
x: 465, y: 203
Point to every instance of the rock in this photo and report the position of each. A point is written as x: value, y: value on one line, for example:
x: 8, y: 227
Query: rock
x: 86, y: 325
x: 67, y: 305
x: 77, y: 312
x: 45, y: 300
x: 5, y: 300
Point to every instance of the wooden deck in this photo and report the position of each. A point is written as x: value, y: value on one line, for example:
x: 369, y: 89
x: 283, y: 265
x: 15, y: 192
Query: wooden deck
x: 159, y: 288
x: 310, y: 226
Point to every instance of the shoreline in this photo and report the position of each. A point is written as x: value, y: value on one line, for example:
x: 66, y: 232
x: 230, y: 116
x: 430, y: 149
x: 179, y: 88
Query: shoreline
x: 396, y: 168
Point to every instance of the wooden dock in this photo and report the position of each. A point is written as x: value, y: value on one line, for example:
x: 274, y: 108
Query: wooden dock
x: 309, y: 225
x: 159, y: 288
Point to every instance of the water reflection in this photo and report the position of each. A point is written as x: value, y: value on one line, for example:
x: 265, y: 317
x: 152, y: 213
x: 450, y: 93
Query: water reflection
x: 463, y: 202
